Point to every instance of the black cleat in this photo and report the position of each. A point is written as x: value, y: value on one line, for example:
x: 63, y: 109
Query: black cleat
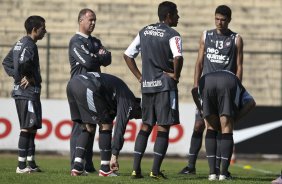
x: 92, y: 170
x: 35, y: 169
x: 135, y: 175
x: 158, y: 176
x: 187, y: 170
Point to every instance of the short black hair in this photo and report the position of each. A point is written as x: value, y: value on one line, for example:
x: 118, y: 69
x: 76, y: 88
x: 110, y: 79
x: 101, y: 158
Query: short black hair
x: 165, y: 8
x: 83, y: 12
x: 33, y: 21
x: 224, y: 10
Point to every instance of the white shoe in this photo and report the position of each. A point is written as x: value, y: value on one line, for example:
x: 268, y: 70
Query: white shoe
x: 36, y: 169
x: 107, y: 174
x: 223, y: 177
x: 22, y: 171
x: 212, y: 177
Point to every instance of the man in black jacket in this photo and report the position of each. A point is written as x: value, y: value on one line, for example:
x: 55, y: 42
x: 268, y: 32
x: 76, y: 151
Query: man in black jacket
x: 86, y: 54
x: 22, y: 63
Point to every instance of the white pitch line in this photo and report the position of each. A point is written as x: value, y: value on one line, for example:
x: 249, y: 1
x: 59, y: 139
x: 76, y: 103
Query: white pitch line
x: 255, y: 169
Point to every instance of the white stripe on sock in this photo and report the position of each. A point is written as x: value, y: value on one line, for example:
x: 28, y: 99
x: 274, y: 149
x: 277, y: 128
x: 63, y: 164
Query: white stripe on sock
x: 77, y: 159
x: 224, y: 158
x: 30, y: 158
x: 105, y: 162
x: 158, y: 154
x: 208, y: 156
x: 80, y: 148
x: 22, y: 159
x: 138, y: 152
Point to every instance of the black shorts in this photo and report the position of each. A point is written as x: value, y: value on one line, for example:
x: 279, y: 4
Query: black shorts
x: 29, y: 113
x: 87, y: 104
x: 160, y: 108
x: 220, y: 92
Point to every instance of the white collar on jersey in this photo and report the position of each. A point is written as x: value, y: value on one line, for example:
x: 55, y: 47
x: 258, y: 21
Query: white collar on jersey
x: 82, y: 34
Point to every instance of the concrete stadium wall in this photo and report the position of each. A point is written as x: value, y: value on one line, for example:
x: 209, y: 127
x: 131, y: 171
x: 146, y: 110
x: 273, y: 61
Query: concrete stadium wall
x: 118, y: 21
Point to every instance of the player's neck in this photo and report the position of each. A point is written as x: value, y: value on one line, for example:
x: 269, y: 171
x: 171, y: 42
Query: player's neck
x: 222, y: 31
x: 32, y: 37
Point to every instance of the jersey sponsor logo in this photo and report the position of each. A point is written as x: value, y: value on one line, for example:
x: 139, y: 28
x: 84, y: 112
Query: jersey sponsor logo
x: 154, y: 31
x: 78, y: 55
x: 178, y: 44
x: 150, y: 84
x: 18, y: 45
x: 214, y: 56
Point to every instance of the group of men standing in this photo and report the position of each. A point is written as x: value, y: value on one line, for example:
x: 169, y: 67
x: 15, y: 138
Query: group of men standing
x: 97, y: 98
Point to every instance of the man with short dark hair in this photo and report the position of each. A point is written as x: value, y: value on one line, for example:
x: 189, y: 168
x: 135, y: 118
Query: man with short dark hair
x: 86, y: 54
x: 22, y: 63
x: 161, y: 52
x: 220, y: 49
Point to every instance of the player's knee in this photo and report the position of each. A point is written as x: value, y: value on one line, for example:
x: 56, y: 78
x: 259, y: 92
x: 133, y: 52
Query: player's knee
x: 163, y: 128
x: 29, y: 130
x: 226, y: 123
x: 105, y: 127
x: 146, y: 128
x: 90, y: 128
x: 199, y: 126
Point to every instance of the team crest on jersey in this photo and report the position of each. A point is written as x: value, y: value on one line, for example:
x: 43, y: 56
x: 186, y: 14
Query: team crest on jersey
x: 210, y: 33
x: 227, y: 42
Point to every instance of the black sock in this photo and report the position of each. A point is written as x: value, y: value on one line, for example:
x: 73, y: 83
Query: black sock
x: 226, y: 151
x: 22, y: 149
x: 139, y: 149
x: 196, y: 144
x: 31, y: 151
x: 75, y: 132
x: 89, y: 166
x: 160, y: 149
x: 218, y: 152
x: 211, y: 149
x: 80, y: 149
x: 105, y: 138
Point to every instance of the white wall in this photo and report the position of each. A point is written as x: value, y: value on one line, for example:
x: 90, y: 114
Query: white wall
x: 55, y: 132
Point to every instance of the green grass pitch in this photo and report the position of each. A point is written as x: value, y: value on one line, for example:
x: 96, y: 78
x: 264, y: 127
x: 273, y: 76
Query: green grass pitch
x: 56, y: 170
